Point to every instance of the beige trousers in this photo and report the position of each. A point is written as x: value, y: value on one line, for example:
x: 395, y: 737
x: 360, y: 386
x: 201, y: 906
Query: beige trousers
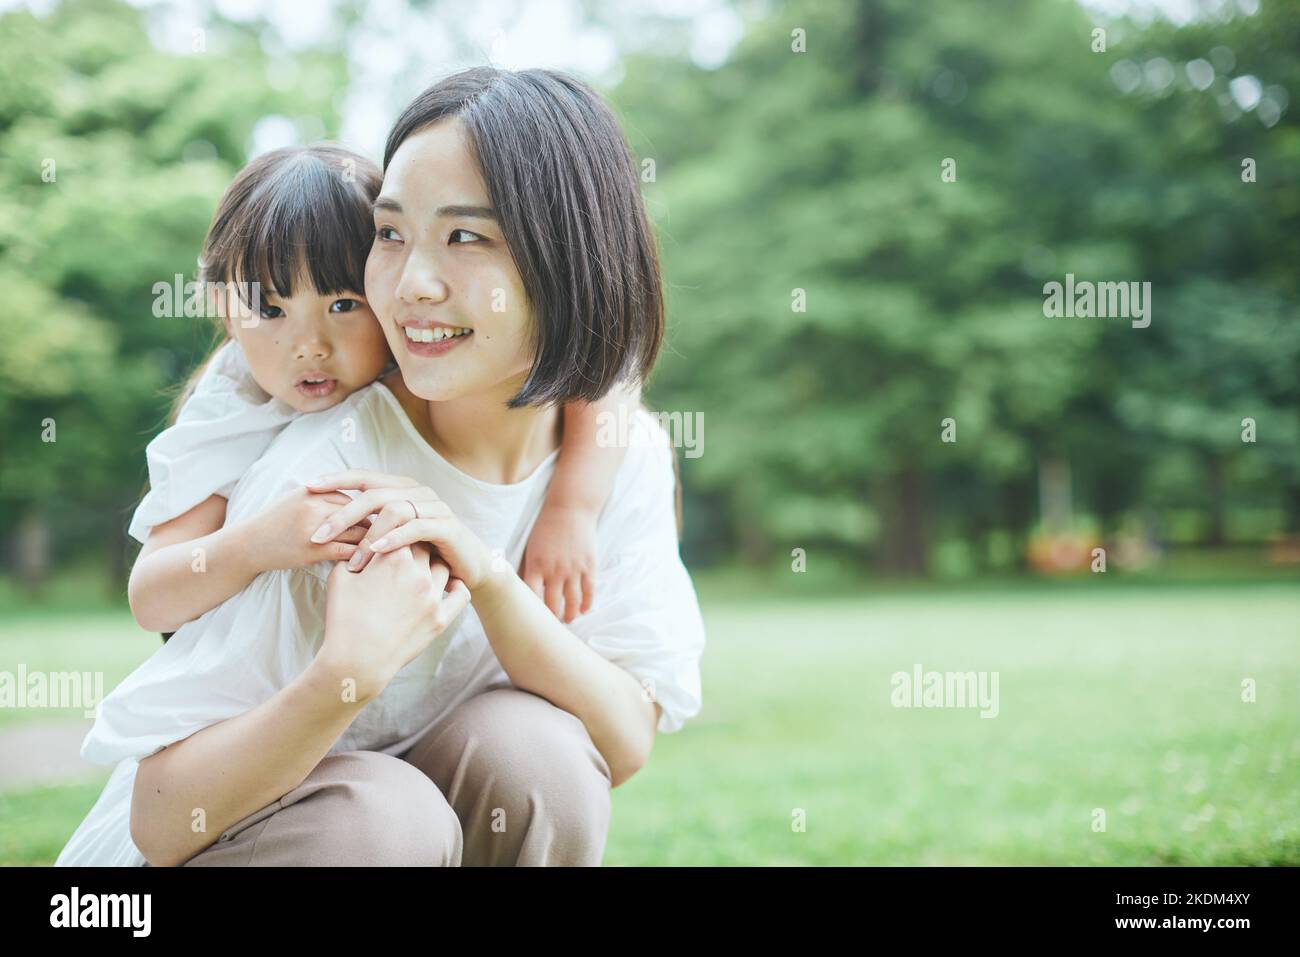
x: 507, y: 778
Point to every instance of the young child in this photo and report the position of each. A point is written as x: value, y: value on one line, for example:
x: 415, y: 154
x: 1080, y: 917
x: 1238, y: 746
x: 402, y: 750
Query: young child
x: 299, y: 220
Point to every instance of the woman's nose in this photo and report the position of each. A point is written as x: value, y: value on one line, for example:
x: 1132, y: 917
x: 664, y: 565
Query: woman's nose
x: 419, y: 282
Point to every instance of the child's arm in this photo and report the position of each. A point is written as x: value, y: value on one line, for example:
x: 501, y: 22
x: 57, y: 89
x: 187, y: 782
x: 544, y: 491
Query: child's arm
x: 187, y: 566
x: 560, y: 558
x: 193, y: 563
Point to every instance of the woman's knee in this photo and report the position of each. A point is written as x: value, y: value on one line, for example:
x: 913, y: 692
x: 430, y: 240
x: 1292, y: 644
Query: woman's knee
x: 530, y: 753
x: 368, y: 808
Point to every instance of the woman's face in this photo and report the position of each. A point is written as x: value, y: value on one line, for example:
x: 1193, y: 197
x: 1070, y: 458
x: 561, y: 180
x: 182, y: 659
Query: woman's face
x: 440, y: 278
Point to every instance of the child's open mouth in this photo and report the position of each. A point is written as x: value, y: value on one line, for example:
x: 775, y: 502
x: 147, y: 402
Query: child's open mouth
x: 317, y: 385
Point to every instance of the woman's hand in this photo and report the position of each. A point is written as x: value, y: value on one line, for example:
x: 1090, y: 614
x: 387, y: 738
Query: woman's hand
x: 280, y: 536
x: 407, y: 512
x: 379, y: 619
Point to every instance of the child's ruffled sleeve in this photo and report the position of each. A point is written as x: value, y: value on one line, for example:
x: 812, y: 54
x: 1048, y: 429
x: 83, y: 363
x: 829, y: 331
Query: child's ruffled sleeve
x: 221, y: 430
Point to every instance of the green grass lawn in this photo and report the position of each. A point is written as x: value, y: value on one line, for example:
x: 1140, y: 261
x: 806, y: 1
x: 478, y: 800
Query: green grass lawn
x: 1127, y: 700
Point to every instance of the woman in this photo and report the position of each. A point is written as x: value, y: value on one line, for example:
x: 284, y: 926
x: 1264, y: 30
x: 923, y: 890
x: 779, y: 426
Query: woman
x: 428, y: 710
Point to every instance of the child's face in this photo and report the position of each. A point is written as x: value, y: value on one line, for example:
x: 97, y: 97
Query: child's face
x: 309, y: 350
x: 440, y: 264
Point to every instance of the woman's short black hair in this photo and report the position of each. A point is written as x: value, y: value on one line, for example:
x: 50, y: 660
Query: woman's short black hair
x: 300, y: 209
x: 564, y: 185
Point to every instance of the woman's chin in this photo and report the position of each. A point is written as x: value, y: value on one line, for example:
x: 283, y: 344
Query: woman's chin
x: 426, y: 384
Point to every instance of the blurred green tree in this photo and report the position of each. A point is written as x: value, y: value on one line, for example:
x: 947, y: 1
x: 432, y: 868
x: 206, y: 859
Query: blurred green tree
x: 824, y: 171
x: 113, y: 154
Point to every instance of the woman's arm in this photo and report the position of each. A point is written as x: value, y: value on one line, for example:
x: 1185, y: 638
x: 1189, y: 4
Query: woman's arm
x: 234, y: 767
x: 376, y: 621
x: 560, y: 558
x: 538, y: 653
x: 542, y: 656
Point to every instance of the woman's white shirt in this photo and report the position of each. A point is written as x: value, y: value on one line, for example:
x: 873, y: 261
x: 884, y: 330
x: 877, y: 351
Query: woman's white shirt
x: 645, y: 616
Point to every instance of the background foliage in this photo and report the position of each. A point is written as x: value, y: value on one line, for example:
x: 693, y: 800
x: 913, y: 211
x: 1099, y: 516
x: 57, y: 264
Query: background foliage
x: 775, y: 171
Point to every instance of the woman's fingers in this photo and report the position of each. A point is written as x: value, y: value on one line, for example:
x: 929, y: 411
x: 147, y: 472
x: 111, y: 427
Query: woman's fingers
x: 438, y: 574
x: 361, y: 479
x: 367, y: 504
x: 457, y: 600
x: 588, y: 592
x: 432, y: 530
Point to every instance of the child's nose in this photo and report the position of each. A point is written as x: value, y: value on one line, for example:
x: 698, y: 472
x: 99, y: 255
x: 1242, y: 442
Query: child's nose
x: 311, y: 346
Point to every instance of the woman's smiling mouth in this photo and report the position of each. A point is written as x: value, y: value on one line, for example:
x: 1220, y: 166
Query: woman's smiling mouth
x: 433, y: 340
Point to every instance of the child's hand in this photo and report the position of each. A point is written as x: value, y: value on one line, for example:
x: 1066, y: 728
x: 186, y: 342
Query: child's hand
x: 280, y: 537
x: 560, y: 560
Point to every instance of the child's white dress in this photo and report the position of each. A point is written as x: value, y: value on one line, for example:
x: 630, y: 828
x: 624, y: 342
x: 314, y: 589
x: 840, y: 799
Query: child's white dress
x: 645, y: 616
x: 221, y: 430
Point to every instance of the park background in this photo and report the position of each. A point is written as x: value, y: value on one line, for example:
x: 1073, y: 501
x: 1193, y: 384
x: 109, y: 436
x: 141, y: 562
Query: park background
x: 778, y: 169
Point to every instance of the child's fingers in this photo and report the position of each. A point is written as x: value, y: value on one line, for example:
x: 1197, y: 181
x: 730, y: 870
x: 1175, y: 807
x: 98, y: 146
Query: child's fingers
x: 555, y: 598
x: 361, y: 479
x: 334, y: 498
x: 352, y: 535
x: 572, y: 599
x: 533, y: 579
x: 334, y: 551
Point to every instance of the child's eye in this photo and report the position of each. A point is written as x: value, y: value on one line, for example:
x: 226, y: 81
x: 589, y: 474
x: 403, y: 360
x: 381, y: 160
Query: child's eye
x: 344, y: 305
x: 271, y: 312
x: 464, y: 232
x: 388, y: 234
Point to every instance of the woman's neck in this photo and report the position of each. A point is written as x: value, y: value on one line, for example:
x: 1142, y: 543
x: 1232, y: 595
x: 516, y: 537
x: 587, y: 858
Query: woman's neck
x: 481, y: 436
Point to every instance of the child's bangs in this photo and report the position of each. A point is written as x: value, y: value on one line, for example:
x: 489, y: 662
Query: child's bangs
x: 308, y: 220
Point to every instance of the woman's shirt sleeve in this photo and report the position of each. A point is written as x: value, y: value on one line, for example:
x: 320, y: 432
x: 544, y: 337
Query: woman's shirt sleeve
x: 645, y: 617
x: 220, y: 431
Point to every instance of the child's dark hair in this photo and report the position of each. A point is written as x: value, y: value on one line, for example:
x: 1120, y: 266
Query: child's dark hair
x: 565, y: 189
x: 300, y: 210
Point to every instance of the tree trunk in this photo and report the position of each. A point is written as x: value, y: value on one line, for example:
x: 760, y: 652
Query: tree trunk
x: 1018, y: 515
x: 906, y: 549
x: 1217, y: 482
x: 33, y: 544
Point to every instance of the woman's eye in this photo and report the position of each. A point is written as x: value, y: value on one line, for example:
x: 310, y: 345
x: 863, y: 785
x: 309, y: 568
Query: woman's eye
x: 344, y: 305
x: 464, y: 232
x: 271, y: 312
x: 388, y: 234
